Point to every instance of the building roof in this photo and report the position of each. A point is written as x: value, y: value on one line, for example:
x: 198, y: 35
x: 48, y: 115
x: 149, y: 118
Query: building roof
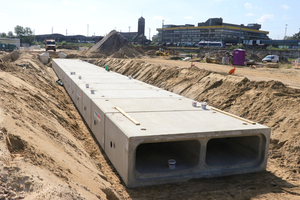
x: 216, y: 23
x: 218, y: 26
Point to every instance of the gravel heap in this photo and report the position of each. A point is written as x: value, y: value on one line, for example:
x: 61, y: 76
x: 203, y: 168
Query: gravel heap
x: 114, y: 44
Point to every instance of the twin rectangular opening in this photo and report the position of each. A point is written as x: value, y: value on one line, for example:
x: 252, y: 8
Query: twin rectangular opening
x: 220, y: 152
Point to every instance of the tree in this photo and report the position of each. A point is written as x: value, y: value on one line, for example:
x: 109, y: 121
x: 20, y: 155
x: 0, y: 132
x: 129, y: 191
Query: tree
x: 10, y: 34
x: 19, y: 31
x: 3, y: 35
x: 25, y: 34
x: 296, y: 36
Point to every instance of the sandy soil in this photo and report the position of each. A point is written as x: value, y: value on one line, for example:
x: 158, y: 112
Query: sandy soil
x: 290, y: 77
x: 47, y: 152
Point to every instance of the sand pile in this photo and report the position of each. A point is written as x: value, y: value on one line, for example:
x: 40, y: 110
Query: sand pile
x: 255, y: 57
x: 46, y: 152
x: 114, y: 45
x: 272, y: 65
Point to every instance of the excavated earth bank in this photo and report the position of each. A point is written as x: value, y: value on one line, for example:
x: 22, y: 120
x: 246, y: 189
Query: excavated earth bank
x: 47, y: 152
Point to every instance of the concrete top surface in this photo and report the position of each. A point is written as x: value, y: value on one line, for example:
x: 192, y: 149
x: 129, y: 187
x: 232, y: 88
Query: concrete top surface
x: 88, y: 72
x: 109, y: 79
x: 97, y: 77
x: 146, y: 105
x: 70, y: 62
x: 116, y: 86
x: 147, y: 93
x: 95, y: 81
x: 180, y: 122
x: 91, y: 73
x: 75, y: 64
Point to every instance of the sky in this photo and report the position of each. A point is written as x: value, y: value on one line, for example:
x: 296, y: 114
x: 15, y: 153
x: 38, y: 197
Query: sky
x: 98, y: 17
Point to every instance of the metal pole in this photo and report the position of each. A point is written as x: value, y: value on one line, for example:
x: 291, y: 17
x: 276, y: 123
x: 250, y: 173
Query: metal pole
x: 149, y: 34
x: 129, y: 34
x: 285, y: 34
x: 285, y: 31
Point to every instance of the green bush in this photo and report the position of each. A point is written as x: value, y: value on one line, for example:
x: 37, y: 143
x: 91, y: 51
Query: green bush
x: 238, y: 46
x: 63, y: 43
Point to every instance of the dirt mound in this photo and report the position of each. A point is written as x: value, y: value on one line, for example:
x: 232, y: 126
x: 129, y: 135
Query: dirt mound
x: 8, y: 57
x: 272, y: 65
x: 46, y: 151
x: 284, y: 60
x: 115, y: 45
x: 255, y: 57
x: 151, y: 50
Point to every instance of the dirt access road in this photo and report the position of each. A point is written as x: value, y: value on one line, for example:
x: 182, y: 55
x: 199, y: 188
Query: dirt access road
x: 290, y: 77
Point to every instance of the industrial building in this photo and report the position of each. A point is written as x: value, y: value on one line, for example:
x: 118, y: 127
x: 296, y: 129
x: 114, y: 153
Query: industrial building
x: 214, y: 29
x: 68, y: 38
x: 153, y: 136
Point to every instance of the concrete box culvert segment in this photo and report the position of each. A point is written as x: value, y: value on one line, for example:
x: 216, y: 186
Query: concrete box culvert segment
x: 88, y: 98
x: 84, y: 88
x: 155, y: 126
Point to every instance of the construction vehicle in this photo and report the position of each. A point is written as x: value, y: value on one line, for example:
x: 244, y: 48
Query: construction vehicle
x: 161, y: 52
x: 50, y: 45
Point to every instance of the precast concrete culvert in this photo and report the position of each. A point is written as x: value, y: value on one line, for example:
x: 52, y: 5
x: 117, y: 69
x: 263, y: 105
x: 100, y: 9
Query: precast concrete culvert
x: 153, y: 136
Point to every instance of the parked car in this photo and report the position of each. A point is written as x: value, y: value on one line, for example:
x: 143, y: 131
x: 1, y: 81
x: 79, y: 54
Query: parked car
x: 271, y: 58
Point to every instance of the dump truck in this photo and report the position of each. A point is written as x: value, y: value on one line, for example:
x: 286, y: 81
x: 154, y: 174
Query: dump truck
x: 50, y: 44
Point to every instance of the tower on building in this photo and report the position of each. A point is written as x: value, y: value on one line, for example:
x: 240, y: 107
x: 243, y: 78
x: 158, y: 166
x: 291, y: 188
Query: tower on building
x: 141, y: 26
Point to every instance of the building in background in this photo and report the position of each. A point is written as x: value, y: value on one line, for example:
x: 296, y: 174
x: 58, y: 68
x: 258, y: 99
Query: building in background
x: 134, y: 37
x: 14, y: 41
x: 69, y: 38
x: 214, y: 29
x: 139, y: 36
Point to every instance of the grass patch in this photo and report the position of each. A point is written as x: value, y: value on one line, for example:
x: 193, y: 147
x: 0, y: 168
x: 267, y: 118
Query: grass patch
x: 285, y: 66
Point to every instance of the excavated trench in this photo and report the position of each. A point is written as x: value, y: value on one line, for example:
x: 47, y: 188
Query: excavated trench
x: 55, y: 120
x: 269, y: 103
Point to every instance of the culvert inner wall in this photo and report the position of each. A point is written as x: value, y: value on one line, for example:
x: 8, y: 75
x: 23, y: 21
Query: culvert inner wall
x: 154, y: 157
x: 234, y: 151
x: 161, y: 124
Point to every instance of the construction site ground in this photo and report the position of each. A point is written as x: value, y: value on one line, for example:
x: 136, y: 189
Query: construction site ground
x: 47, y: 152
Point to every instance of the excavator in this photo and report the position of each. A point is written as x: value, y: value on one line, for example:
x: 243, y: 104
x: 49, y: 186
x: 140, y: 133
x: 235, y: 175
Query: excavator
x: 161, y: 52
